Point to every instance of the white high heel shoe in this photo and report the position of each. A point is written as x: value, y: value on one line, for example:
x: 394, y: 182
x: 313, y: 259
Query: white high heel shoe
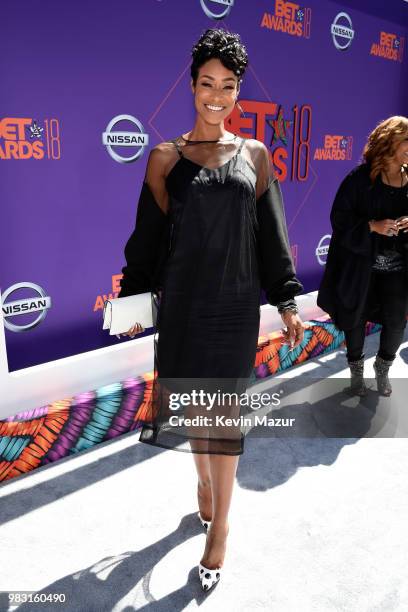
x: 208, y: 577
x: 205, y: 524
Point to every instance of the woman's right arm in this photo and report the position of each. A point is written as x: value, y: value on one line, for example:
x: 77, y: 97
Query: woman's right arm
x: 145, y: 244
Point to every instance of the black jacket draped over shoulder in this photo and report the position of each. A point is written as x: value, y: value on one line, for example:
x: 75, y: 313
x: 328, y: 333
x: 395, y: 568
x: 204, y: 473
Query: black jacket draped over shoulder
x: 277, y: 271
x: 146, y: 248
x: 353, y: 248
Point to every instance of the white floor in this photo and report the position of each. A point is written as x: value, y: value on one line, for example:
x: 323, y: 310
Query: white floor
x: 317, y: 523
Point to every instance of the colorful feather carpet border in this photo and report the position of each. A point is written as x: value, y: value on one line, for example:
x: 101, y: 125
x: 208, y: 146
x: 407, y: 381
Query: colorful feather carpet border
x: 37, y: 437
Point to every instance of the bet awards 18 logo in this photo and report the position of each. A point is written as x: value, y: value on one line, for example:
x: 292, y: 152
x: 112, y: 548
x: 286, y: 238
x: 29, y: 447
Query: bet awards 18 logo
x: 335, y: 147
x: 289, y: 18
x: 285, y: 131
x: 390, y: 46
x: 25, y: 138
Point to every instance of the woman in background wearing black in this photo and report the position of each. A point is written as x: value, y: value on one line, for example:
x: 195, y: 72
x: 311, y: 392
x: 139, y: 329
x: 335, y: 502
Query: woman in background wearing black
x: 366, y: 271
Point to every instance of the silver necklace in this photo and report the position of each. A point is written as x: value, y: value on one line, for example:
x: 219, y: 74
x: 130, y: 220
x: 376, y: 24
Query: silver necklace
x: 207, y: 141
x: 402, y: 179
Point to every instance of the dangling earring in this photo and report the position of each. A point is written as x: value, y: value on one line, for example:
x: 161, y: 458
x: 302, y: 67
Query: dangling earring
x: 239, y: 106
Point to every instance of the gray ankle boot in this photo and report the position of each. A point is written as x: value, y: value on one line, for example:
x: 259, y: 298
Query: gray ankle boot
x: 357, y: 384
x: 381, y: 367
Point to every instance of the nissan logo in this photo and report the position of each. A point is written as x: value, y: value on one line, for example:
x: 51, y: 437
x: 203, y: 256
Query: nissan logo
x: 39, y: 303
x: 114, y: 139
x: 210, y: 13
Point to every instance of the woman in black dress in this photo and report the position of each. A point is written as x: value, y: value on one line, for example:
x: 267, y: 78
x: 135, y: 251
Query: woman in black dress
x: 210, y: 234
x: 366, y: 275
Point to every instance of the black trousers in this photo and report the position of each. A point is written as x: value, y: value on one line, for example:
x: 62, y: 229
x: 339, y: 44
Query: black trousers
x: 391, y: 291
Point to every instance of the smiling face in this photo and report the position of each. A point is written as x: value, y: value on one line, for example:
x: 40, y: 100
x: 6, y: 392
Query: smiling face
x: 215, y: 92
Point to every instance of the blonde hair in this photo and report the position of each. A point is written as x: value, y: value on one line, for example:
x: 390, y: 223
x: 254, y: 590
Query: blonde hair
x: 383, y: 142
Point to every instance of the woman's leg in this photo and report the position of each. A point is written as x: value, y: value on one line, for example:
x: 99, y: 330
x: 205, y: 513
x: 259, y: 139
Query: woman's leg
x: 204, y: 493
x: 206, y: 442
x: 393, y: 293
x: 355, y: 342
x: 390, y: 341
x: 223, y: 469
x: 355, y: 337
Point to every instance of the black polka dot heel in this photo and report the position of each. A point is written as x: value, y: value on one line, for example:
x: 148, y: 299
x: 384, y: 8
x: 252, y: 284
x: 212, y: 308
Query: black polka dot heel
x: 205, y: 524
x: 208, y: 577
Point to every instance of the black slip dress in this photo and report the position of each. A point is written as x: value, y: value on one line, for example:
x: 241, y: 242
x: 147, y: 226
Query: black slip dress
x: 210, y: 283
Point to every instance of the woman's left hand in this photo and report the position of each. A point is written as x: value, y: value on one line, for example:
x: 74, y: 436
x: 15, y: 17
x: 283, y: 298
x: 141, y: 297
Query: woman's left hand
x: 402, y: 224
x: 295, y: 328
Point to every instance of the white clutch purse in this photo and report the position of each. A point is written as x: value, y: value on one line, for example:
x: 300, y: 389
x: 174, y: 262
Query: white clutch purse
x: 120, y: 314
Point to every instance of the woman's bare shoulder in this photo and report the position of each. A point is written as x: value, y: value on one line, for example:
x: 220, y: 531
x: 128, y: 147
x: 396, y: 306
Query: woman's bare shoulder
x: 255, y: 144
x: 162, y: 156
x: 258, y: 154
x: 256, y: 149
